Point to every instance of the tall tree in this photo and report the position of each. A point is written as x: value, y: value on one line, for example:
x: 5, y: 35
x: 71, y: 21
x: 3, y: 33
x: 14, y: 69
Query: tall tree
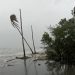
x: 22, y: 35
x: 15, y: 25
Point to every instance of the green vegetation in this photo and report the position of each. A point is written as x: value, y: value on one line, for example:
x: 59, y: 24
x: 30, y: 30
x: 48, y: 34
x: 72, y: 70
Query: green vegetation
x: 60, y: 44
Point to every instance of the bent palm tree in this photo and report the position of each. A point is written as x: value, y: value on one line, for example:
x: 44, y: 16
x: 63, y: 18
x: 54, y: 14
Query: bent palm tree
x: 15, y: 25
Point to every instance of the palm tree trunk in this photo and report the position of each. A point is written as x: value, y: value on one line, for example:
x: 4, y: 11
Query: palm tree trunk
x: 25, y: 41
x: 22, y: 34
x: 33, y: 39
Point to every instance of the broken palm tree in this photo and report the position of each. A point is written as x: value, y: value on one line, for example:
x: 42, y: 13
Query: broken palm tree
x: 14, y: 22
x: 33, y: 40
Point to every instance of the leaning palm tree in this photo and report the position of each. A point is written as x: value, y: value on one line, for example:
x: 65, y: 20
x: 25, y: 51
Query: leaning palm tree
x: 14, y: 23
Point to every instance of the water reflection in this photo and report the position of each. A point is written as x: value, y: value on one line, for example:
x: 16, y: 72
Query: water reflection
x: 47, y: 68
x: 36, y: 72
x: 35, y: 67
x: 26, y: 73
x: 56, y: 68
x: 28, y: 69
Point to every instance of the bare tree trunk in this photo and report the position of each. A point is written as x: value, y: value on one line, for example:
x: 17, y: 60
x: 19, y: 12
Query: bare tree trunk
x: 25, y: 41
x: 22, y: 34
x: 33, y: 39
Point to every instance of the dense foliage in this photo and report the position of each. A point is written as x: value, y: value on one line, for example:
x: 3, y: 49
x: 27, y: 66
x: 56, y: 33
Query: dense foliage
x: 61, y: 44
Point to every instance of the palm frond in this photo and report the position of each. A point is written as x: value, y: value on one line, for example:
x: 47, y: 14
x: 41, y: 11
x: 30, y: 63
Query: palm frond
x: 13, y: 18
x: 14, y: 21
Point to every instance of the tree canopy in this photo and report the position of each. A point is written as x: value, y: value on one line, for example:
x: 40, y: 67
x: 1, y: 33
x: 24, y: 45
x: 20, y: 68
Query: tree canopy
x: 61, y: 41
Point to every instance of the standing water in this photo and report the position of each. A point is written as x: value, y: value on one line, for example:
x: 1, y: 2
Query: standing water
x: 29, y: 66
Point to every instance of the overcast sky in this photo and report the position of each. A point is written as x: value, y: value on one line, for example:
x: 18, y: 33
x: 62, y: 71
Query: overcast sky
x: 38, y: 13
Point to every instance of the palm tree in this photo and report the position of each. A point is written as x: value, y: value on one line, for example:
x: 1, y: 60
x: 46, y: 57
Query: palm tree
x: 14, y: 23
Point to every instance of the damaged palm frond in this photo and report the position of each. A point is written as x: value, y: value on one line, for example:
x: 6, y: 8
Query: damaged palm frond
x: 14, y: 21
x: 13, y: 18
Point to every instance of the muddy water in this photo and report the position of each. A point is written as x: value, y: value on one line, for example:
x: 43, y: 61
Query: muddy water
x: 30, y: 67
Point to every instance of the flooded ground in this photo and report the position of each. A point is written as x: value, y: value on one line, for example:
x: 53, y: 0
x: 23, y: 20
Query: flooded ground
x: 30, y: 67
x: 11, y: 66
